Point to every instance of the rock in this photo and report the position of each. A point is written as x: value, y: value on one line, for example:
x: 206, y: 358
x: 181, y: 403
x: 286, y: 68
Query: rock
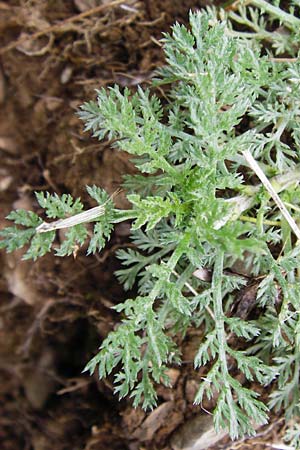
x: 153, y: 422
x: 5, y: 180
x: 23, y: 202
x: 191, y: 389
x: 173, y: 374
x: 53, y: 103
x: 16, y: 272
x: 9, y: 145
x: 202, y: 274
x: 66, y: 75
x: 132, y: 418
x: 38, y: 383
x: 196, y: 434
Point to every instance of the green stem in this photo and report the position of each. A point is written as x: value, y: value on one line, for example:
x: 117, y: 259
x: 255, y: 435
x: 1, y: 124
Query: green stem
x: 218, y: 309
x: 263, y: 222
x: 220, y: 330
x: 181, y: 248
x: 294, y: 207
x: 120, y: 215
x: 261, y: 35
x: 248, y: 200
x: 241, y: 202
x: 283, y: 181
x: 287, y: 19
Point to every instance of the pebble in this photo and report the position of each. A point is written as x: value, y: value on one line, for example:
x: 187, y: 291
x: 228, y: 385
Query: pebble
x: 38, y: 384
x: 198, y: 433
x: 173, y: 374
x: 9, y: 145
x: 66, y: 75
x: 5, y: 182
x: 153, y: 422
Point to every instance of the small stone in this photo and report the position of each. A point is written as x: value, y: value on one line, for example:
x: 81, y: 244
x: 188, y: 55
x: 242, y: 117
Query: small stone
x: 66, y: 75
x: 173, y: 374
x: 197, y: 434
x: 9, y: 145
x: 153, y: 422
x: 202, y: 274
x: 5, y: 182
x: 38, y: 385
x: 23, y: 202
x: 191, y: 389
x: 53, y: 103
x: 16, y: 273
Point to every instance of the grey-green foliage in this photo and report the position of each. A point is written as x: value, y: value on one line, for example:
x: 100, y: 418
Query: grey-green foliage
x: 293, y: 435
x: 284, y: 34
x: 58, y: 207
x: 194, y: 205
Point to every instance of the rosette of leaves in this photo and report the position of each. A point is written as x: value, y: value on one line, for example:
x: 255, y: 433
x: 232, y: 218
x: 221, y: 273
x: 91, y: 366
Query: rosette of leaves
x: 197, y: 206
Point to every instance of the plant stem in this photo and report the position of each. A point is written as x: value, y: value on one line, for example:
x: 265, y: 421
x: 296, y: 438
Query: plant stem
x: 255, y: 167
x: 218, y: 306
x: 120, y: 215
x: 221, y: 334
x: 264, y: 222
x: 195, y: 293
x: 287, y: 19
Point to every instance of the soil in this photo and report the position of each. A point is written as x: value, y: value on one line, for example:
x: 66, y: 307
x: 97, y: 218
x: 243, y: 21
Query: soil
x: 55, y: 312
